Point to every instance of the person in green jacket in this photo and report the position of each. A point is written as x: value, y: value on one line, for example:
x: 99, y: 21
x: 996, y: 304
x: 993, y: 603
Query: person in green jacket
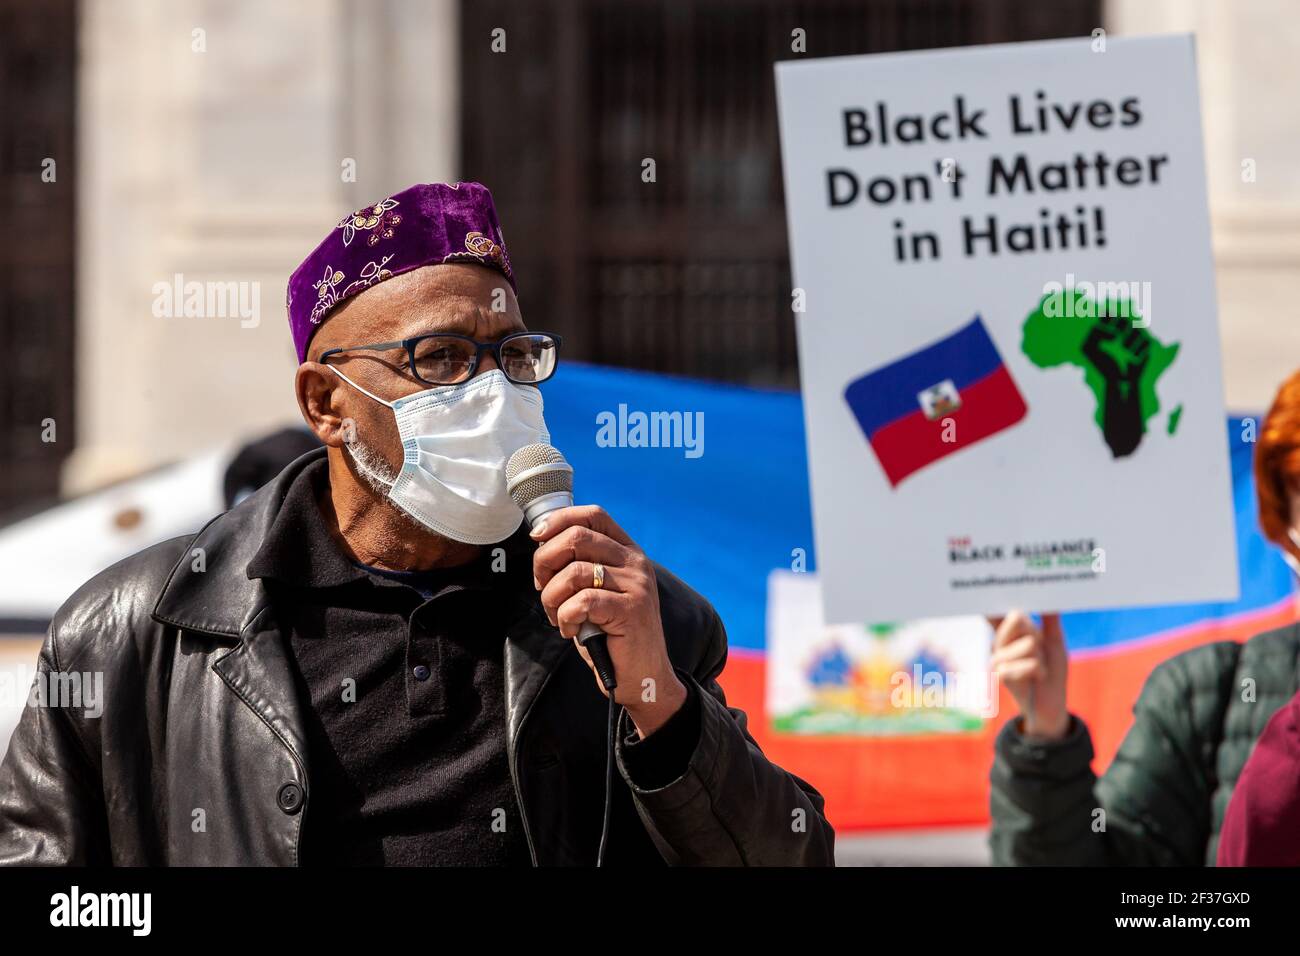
x: 1162, y: 800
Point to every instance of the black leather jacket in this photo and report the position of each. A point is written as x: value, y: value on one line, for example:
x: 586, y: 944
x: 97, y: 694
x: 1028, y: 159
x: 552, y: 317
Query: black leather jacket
x: 199, y: 755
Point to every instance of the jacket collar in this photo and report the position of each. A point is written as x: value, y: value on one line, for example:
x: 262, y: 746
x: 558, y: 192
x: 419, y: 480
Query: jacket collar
x: 210, y: 591
x: 217, y: 587
x: 298, y: 547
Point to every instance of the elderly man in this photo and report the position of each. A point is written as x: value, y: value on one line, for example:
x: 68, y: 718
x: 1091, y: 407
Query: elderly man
x: 371, y: 660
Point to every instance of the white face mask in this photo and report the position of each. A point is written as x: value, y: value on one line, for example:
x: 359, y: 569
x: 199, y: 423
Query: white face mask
x: 1288, y: 556
x: 457, y: 440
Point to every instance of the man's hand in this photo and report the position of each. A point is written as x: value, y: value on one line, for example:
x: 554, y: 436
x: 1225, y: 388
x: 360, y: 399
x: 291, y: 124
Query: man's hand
x: 1032, y: 664
x: 574, y: 540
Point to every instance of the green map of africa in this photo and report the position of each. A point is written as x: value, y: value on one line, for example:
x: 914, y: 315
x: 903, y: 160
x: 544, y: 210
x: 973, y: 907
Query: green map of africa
x: 1121, y: 360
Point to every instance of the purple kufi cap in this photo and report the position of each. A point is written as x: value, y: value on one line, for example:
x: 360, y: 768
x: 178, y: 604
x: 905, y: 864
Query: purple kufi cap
x: 424, y: 225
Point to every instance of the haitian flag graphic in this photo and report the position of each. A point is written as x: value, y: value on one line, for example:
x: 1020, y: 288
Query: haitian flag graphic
x: 929, y: 404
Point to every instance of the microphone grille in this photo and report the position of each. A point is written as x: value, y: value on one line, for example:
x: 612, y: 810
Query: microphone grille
x: 536, y: 470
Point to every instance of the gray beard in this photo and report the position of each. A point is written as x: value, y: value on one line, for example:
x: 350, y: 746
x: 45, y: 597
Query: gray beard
x: 380, y: 476
x: 372, y: 466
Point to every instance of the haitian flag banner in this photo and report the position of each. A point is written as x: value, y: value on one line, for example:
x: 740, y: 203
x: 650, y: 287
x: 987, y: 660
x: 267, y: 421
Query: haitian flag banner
x: 1004, y: 303
x: 936, y: 401
x: 824, y: 699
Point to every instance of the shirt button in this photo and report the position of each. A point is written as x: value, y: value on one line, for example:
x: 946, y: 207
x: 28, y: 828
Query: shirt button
x: 421, y: 672
x: 290, y: 798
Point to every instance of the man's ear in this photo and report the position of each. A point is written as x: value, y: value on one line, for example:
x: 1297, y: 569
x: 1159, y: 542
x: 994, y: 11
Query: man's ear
x: 316, y: 387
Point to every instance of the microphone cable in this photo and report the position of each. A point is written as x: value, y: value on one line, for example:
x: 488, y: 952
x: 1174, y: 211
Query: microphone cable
x: 610, y: 738
x: 598, y: 650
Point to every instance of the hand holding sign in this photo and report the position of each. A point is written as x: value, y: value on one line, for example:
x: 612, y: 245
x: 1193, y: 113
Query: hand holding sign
x: 1032, y: 663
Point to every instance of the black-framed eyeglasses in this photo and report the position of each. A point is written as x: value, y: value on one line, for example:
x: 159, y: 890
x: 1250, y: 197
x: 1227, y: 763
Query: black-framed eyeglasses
x: 443, y: 358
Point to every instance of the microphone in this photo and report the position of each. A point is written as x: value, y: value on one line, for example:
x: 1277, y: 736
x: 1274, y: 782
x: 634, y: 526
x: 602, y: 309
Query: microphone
x: 540, y: 481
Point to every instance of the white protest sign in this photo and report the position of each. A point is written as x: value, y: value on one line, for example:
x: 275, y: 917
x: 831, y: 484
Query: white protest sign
x: 1008, y: 344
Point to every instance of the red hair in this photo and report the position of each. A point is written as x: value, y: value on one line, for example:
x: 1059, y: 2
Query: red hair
x: 1277, y: 464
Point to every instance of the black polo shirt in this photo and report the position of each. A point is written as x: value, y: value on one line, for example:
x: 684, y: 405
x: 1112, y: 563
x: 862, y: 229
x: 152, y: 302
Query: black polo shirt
x: 406, y: 732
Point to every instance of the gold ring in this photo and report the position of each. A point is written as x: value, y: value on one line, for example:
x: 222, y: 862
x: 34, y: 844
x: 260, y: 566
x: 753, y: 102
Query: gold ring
x: 597, y: 576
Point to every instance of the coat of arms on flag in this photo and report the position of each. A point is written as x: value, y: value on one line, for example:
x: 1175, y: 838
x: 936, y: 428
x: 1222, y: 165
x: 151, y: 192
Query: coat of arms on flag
x: 941, y: 399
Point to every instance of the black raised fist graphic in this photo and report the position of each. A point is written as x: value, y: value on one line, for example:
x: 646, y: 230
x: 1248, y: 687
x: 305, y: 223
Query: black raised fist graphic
x: 1122, y: 425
